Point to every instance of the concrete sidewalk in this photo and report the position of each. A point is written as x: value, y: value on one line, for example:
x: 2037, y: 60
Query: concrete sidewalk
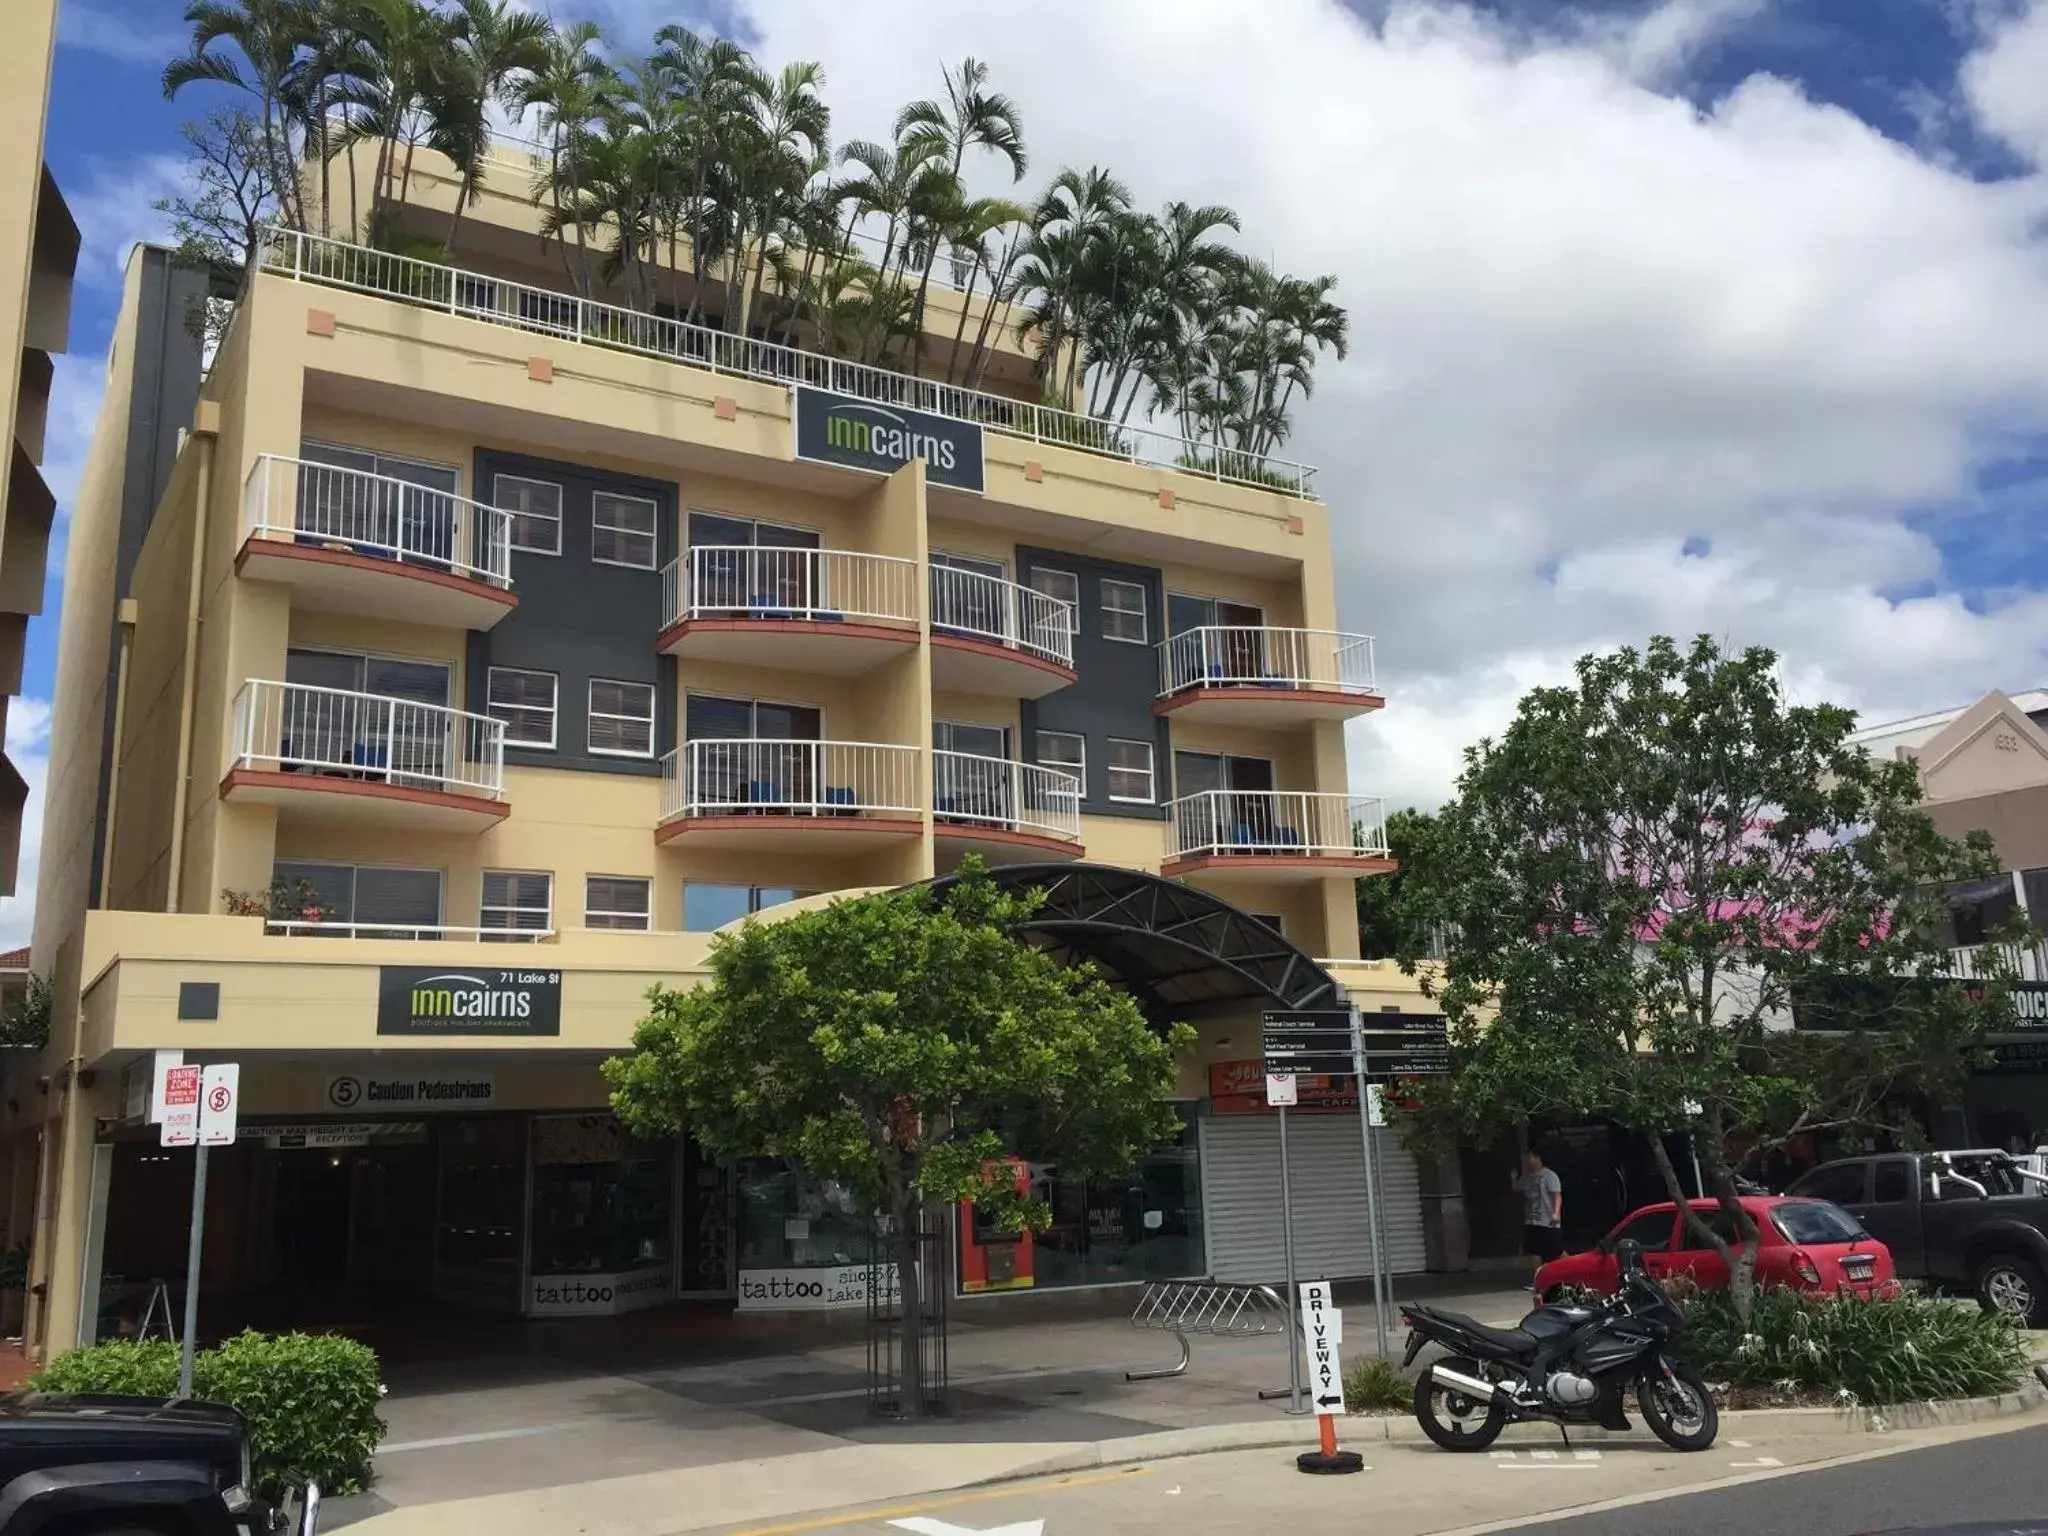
x: 779, y: 1428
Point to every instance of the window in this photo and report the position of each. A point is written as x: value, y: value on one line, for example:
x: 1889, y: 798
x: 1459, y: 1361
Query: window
x: 615, y: 901
x: 1815, y: 1222
x: 536, y: 508
x: 622, y: 530
x: 409, y: 506
x: 1066, y: 750
x: 1123, y: 611
x: 1066, y: 587
x: 1894, y: 1182
x: 1719, y: 1222
x: 1840, y: 1182
x: 1130, y: 771
x: 1652, y: 1230
x: 521, y: 901
x: 1272, y: 920
x: 369, y: 900
x: 740, y: 564
x: 621, y: 718
x: 1979, y: 908
x: 707, y: 905
x: 967, y: 594
x: 525, y: 701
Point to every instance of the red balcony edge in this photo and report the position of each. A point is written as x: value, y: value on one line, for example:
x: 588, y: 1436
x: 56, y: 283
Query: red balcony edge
x: 1043, y: 842
x: 1004, y: 653
x: 1364, y: 702
x: 676, y: 826
x: 862, y: 629
x: 1357, y: 864
x: 277, y: 549
x: 369, y: 789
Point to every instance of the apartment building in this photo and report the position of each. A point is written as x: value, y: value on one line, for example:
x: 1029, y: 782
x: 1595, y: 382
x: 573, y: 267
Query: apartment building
x: 1985, y: 766
x: 38, y: 254
x: 484, y: 648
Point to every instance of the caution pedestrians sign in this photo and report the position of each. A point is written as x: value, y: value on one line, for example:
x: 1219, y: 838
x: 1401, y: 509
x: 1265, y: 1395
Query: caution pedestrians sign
x: 1322, y: 1330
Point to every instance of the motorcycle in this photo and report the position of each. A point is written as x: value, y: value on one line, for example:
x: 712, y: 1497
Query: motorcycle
x: 1562, y: 1365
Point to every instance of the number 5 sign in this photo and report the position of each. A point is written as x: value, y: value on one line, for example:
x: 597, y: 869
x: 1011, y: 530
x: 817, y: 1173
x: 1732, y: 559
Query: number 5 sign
x: 220, y: 1093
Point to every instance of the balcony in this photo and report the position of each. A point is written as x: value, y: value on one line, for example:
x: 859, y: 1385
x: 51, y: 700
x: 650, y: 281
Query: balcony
x: 827, y: 796
x: 325, y: 754
x: 814, y: 610
x: 548, y: 312
x: 348, y: 541
x: 1258, y: 676
x: 454, y: 933
x: 1004, y: 811
x: 1973, y: 962
x: 1270, y: 835
x: 994, y: 636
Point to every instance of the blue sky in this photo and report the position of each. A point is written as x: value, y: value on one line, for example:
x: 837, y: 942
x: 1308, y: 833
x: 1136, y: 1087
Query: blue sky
x: 1667, y: 313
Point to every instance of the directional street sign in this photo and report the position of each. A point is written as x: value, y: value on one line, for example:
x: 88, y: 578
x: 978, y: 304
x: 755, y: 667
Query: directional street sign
x: 1315, y: 1041
x: 179, y: 1126
x: 1322, y: 1329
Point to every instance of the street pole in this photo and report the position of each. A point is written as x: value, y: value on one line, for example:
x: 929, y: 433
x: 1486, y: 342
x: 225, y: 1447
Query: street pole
x: 1294, y: 1393
x: 1372, y: 1193
x: 192, y: 1271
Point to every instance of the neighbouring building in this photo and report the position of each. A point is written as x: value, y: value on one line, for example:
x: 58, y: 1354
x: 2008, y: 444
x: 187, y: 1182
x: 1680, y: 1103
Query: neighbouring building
x: 442, y: 667
x: 1985, y: 766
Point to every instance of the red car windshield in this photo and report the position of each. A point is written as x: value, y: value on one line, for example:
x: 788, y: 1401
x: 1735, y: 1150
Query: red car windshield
x: 1816, y: 1222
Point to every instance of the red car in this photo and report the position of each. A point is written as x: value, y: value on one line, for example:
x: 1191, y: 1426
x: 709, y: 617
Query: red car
x: 1809, y: 1245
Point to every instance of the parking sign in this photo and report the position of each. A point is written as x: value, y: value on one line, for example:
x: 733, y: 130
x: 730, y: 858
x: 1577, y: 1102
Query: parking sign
x: 180, y: 1124
x: 220, y: 1091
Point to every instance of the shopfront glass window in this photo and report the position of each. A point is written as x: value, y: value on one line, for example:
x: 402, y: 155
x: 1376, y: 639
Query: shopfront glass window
x: 476, y: 1237
x: 789, y: 1220
x: 1144, y: 1226
x: 601, y: 1201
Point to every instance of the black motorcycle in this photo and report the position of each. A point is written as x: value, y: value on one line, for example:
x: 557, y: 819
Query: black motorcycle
x: 1562, y: 1366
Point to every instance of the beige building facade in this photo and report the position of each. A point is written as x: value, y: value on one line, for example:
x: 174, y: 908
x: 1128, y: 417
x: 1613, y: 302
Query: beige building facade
x: 475, y: 651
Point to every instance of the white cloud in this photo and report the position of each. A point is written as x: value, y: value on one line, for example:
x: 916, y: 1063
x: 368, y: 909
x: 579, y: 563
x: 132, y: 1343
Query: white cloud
x: 114, y: 212
x: 1589, y: 321
x: 91, y: 29
x: 2006, y: 81
x: 1659, y: 43
x: 28, y: 748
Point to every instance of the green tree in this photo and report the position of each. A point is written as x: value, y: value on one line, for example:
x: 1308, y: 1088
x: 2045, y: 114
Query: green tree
x: 492, y: 51
x: 897, y: 1044
x: 1382, y: 913
x: 1644, y: 876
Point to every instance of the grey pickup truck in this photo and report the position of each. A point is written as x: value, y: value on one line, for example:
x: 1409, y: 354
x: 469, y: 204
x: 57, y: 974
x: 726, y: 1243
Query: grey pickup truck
x: 1970, y: 1223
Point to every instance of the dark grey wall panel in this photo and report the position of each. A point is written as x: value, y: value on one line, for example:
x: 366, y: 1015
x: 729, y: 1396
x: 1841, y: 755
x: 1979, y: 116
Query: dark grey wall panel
x: 580, y: 618
x: 1115, y: 686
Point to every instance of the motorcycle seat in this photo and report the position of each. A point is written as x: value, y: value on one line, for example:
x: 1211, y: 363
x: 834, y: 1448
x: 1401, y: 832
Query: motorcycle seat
x: 1512, y: 1341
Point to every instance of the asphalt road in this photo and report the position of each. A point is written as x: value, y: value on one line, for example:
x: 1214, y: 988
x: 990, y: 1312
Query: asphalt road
x: 1997, y: 1478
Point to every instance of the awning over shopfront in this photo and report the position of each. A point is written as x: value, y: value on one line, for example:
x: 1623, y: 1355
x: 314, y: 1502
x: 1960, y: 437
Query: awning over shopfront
x: 1181, y: 952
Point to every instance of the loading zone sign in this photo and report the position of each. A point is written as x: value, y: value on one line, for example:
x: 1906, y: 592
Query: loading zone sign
x: 1322, y: 1330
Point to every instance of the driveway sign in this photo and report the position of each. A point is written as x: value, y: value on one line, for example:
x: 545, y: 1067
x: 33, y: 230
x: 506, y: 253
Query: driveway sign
x: 220, y: 1094
x: 179, y: 1125
x: 1322, y: 1329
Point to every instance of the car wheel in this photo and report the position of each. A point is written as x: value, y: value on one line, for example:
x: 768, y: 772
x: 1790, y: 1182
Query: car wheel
x: 2012, y: 1287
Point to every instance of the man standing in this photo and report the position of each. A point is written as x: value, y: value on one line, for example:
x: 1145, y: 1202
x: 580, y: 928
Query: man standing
x: 1542, y: 1210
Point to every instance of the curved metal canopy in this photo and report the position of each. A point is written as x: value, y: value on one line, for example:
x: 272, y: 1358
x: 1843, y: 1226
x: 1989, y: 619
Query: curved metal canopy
x: 1181, y: 952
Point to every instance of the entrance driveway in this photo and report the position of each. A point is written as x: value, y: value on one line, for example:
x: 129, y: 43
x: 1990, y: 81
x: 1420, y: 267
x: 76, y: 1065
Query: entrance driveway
x: 481, y: 1406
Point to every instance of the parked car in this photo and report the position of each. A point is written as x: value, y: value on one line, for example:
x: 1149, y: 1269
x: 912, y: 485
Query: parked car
x: 1963, y: 1222
x: 133, y: 1466
x: 1808, y: 1245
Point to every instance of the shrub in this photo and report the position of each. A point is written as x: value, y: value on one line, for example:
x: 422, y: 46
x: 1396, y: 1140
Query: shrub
x: 1906, y: 1348
x: 1374, y: 1383
x: 310, y: 1400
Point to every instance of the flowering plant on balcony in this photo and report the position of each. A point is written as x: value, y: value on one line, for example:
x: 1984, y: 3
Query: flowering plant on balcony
x: 287, y: 901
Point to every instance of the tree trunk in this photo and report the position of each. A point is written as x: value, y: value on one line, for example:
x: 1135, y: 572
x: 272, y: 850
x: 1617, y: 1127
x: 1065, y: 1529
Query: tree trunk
x: 1739, y: 1257
x: 905, y: 1212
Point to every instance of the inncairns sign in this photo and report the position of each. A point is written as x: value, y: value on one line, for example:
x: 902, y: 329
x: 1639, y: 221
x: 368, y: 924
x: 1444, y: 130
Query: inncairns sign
x: 836, y: 429
x: 423, y: 1000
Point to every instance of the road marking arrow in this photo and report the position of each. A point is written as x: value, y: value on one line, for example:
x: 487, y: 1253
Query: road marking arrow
x: 924, y: 1527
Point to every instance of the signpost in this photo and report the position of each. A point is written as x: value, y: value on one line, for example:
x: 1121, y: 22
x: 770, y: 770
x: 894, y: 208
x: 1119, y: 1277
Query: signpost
x: 1322, y: 1330
x: 199, y: 1109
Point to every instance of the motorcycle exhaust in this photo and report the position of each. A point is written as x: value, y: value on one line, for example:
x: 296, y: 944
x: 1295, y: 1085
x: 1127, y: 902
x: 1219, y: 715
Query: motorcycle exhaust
x: 1471, y: 1386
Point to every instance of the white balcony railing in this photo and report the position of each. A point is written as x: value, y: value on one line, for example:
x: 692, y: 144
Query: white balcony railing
x: 1014, y: 797
x: 1214, y: 656
x: 1972, y: 962
x: 453, y: 932
x: 738, y: 581
x: 789, y: 778
x: 323, y: 504
x: 316, y: 259
x: 989, y: 608
x: 1279, y: 822
x: 295, y: 728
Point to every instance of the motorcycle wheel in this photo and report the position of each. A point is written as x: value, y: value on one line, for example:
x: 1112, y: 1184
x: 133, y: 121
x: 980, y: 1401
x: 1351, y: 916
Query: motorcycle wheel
x: 1679, y: 1407
x: 1452, y: 1419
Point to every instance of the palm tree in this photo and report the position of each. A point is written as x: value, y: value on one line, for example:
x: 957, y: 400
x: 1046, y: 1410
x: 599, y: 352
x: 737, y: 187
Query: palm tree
x: 569, y: 90
x: 968, y: 116
x: 1072, y: 215
x: 489, y: 44
x: 969, y: 235
x: 269, y: 34
x: 791, y: 125
x: 1315, y: 323
x: 710, y: 79
x: 406, y: 46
